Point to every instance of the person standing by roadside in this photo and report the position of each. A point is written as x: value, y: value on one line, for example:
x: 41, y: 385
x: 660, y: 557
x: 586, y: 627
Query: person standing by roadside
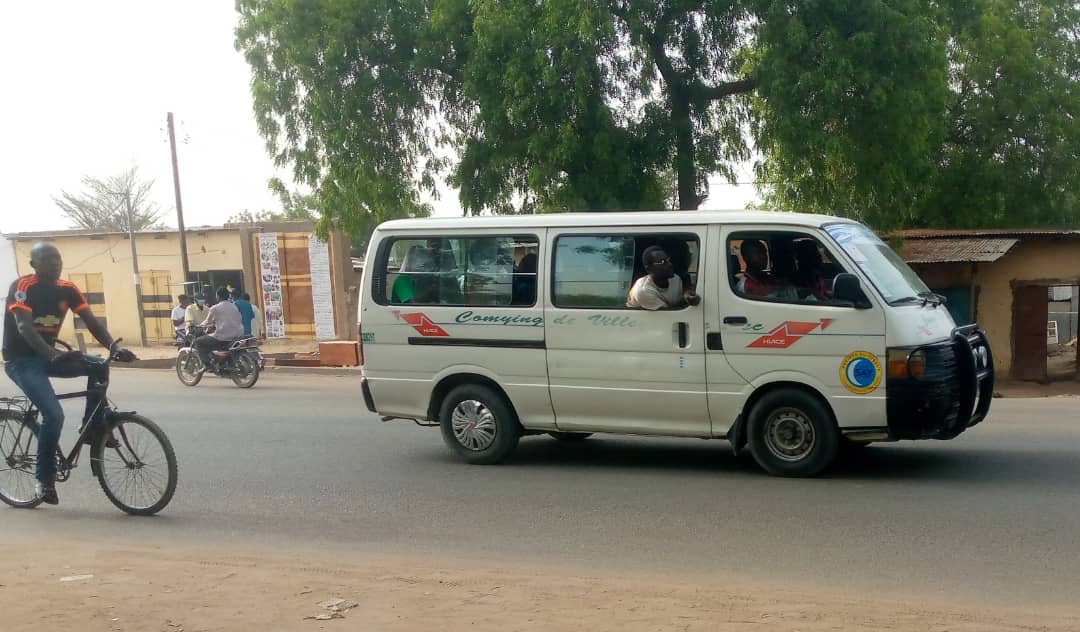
x: 246, y: 313
x: 257, y: 321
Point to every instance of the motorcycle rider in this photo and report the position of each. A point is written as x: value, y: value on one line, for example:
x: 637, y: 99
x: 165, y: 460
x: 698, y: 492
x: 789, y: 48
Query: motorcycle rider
x: 228, y: 326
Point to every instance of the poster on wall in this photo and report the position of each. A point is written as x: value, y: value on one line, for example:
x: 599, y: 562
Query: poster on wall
x: 270, y: 285
x: 322, y: 294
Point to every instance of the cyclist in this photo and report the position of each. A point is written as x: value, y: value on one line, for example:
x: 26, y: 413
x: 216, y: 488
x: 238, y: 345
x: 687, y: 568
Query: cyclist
x: 36, y: 307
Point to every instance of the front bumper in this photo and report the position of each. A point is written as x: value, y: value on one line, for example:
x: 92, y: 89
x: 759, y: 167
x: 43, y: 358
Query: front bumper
x: 951, y: 396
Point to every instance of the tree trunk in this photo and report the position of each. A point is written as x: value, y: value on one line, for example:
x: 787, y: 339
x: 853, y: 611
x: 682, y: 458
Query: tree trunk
x: 685, y: 166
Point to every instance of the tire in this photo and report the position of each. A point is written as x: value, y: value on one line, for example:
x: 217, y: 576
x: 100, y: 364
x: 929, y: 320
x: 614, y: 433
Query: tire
x: 478, y: 424
x: 245, y: 370
x: 188, y: 367
x: 18, y: 460
x: 570, y: 437
x: 792, y: 433
x: 132, y: 439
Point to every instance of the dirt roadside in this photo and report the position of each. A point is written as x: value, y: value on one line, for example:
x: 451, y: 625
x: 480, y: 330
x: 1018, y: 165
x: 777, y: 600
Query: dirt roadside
x: 71, y: 584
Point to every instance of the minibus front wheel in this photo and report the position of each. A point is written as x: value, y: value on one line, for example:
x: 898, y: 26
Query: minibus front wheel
x: 792, y: 433
x: 478, y: 424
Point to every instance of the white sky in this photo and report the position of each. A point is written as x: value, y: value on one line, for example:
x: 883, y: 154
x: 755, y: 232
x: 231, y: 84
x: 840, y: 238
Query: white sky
x: 86, y: 89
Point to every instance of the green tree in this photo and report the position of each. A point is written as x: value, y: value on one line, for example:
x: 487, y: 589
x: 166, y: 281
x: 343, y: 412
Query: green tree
x: 595, y: 104
x: 295, y: 205
x: 1012, y: 154
x: 1003, y: 151
x: 116, y: 203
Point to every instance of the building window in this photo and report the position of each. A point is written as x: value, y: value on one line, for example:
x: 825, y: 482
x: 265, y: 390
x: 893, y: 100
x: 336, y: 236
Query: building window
x: 597, y: 271
x: 488, y: 270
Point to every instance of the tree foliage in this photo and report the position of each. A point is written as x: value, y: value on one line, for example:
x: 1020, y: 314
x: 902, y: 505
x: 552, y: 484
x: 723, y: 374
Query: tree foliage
x: 1012, y: 154
x: 295, y: 206
x: 116, y: 203
x: 892, y: 111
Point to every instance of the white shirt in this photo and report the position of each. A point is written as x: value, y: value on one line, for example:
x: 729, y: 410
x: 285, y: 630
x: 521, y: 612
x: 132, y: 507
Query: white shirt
x: 226, y: 321
x: 646, y: 294
x: 257, y: 322
x: 178, y: 314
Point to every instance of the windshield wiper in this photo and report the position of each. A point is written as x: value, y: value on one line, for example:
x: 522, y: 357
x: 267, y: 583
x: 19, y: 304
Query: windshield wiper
x: 908, y: 299
x: 933, y: 297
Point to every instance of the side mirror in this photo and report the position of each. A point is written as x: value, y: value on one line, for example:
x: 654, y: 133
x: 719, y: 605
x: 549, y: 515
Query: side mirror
x: 847, y: 289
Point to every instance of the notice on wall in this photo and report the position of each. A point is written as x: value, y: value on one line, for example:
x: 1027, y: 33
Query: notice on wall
x: 322, y: 293
x: 270, y: 285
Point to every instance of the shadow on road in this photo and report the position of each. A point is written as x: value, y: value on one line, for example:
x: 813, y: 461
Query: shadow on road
x: 916, y: 461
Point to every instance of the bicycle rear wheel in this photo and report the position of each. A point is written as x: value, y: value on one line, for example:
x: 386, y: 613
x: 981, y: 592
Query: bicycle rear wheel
x: 135, y: 465
x: 18, y: 451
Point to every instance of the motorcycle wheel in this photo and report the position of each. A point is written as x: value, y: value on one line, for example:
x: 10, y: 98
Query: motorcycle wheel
x: 245, y: 370
x: 188, y: 367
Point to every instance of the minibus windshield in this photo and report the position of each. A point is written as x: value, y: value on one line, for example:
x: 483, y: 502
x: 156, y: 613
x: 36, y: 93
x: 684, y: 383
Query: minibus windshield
x: 893, y: 278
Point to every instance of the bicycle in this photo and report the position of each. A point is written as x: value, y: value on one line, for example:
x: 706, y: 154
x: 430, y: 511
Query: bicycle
x: 130, y: 455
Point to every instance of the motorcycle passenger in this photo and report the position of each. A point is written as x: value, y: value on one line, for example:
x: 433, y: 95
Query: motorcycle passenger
x: 194, y: 314
x: 227, y: 324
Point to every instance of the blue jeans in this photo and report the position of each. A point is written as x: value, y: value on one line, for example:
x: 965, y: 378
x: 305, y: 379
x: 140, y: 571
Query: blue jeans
x: 32, y: 374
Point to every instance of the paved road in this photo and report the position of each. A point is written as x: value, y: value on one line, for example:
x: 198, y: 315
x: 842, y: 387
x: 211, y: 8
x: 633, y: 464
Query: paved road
x: 991, y: 516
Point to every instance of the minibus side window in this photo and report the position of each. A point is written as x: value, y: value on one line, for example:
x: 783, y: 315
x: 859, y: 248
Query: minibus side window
x: 597, y: 271
x: 780, y: 266
x: 486, y: 270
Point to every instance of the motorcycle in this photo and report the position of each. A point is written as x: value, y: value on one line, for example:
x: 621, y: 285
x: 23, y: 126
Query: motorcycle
x: 242, y: 361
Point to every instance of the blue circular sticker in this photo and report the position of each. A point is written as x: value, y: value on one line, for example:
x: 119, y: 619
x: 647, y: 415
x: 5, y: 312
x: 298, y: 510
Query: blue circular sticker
x: 860, y: 372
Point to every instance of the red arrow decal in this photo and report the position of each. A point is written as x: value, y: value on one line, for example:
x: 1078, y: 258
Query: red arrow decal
x: 788, y: 333
x: 421, y: 323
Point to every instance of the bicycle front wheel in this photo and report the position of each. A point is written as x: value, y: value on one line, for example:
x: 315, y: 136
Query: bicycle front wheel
x: 18, y: 449
x: 135, y: 465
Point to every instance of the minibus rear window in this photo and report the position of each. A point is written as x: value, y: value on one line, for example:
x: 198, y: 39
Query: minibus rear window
x: 484, y: 270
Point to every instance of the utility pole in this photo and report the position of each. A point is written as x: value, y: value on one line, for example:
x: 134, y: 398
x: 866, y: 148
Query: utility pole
x: 135, y: 269
x: 179, y: 205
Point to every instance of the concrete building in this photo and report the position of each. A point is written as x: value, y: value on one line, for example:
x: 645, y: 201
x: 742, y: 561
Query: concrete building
x: 8, y: 271
x: 296, y: 296
x: 1005, y: 280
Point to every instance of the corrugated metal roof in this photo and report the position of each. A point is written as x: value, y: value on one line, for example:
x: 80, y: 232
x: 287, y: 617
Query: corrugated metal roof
x: 965, y: 250
x: 1018, y: 233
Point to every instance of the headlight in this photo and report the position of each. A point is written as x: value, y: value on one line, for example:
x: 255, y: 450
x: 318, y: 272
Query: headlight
x: 907, y: 363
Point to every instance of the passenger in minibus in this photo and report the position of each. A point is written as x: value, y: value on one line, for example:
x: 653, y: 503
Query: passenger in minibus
x: 809, y: 277
x: 756, y: 281
x: 661, y: 288
x: 782, y: 254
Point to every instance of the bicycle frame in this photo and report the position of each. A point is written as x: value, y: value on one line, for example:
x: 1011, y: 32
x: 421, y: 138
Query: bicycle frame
x: 71, y: 460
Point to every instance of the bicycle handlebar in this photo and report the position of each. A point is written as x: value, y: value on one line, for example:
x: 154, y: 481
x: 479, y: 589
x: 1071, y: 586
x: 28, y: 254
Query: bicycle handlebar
x: 112, y: 349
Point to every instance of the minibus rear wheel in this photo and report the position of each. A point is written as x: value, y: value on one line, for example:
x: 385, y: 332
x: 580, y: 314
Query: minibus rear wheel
x: 792, y: 433
x: 478, y: 424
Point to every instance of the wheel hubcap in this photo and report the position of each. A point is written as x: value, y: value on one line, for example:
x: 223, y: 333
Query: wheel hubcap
x: 473, y: 425
x: 789, y: 435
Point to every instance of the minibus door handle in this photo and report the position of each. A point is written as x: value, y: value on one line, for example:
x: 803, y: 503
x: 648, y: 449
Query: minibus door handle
x: 735, y: 320
x: 684, y: 334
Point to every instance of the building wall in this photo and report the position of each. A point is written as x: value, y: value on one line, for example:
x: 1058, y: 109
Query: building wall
x: 8, y: 272
x: 944, y: 275
x: 110, y: 256
x: 1029, y: 261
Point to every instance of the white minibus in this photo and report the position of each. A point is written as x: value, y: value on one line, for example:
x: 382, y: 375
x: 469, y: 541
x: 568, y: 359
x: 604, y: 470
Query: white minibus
x: 792, y: 335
